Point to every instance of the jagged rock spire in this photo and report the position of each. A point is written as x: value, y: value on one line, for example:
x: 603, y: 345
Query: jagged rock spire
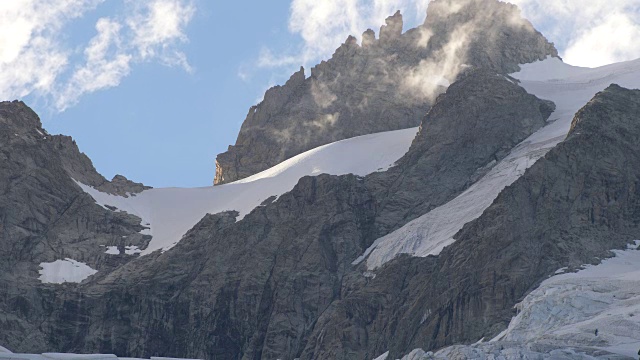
x: 393, y: 28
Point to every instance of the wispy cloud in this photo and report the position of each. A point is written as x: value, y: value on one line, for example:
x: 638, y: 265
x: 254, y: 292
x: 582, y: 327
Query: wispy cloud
x: 33, y: 59
x: 158, y: 26
x: 105, y: 65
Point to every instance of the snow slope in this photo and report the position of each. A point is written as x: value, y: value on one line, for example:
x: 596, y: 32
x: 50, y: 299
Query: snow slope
x: 170, y: 212
x: 570, y: 88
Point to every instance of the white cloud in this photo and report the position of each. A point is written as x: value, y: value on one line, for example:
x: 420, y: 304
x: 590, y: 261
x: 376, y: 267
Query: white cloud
x: 157, y: 26
x: 616, y: 39
x: 105, y: 65
x: 30, y: 56
x: 588, y: 32
x: 34, y: 60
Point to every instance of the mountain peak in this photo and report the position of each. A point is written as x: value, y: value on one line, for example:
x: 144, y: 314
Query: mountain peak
x: 393, y: 28
x: 608, y: 112
x: 385, y: 84
x: 19, y: 116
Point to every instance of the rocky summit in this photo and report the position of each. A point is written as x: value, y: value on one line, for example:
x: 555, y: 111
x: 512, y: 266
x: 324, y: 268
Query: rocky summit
x: 491, y: 209
x: 381, y: 85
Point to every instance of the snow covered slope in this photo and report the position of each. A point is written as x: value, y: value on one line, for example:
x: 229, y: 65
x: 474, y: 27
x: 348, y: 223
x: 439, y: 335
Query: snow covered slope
x: 570, y: 88
x: 170, y: 212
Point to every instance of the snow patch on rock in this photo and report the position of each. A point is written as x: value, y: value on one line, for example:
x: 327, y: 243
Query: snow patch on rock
x: 132, y: 250
x: 65, y: 271
x: 112, y: 250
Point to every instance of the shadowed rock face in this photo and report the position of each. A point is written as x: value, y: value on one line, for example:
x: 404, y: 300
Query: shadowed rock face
x: 470, y: 128
x: 258, y: 287
x: 574, y: 205
x: 382, y: 85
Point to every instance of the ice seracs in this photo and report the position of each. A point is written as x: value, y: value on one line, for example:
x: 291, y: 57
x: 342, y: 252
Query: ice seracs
x: 597, y: 307
x: 590, y: 314
x: 170, y: 212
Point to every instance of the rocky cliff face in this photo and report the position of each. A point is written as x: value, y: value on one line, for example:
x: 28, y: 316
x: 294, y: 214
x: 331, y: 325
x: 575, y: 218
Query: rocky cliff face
x: 383, y: 84
x: 45, y: 216
x: 469, y: 129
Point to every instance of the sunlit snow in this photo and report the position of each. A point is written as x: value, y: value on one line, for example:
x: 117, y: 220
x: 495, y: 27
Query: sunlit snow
x: 112, y: 250
x: 170, y: 212
x: 570, y: 88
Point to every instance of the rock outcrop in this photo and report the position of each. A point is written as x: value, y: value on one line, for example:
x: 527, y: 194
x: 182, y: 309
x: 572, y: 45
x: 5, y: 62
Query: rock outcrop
x: 45, y: 217
x: 380, y: 85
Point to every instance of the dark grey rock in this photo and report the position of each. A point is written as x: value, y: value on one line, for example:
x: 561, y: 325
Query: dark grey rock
x: 392, y: 29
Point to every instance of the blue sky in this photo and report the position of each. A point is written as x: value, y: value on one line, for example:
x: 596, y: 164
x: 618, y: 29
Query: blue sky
x: 155, y: 89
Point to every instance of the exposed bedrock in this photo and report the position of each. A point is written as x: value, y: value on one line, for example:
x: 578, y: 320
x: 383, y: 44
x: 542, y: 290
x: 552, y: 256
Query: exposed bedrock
x: 45, y: 217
